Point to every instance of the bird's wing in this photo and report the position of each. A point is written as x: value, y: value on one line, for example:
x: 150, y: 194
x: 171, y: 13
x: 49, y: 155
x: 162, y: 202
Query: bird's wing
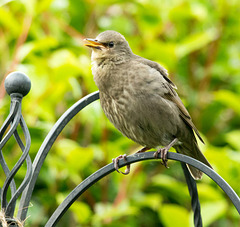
x: 171, y: 94
x: 158, y: 67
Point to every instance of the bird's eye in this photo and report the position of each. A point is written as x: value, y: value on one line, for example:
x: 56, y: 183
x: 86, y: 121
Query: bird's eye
x: 111, y: 44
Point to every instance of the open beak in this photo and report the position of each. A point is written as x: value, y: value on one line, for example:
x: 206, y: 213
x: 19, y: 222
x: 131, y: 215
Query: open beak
x: 93, y: 43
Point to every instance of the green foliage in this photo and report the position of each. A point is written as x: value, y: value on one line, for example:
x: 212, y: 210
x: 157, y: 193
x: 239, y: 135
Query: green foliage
x: 197, y: 41
x: 180, y: 214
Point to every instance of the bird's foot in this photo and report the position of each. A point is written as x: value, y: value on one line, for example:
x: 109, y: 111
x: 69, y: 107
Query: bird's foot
x: 163, y: 152
x: 115, y: 162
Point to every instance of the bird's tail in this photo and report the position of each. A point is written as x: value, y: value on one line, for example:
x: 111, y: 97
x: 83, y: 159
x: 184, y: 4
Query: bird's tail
x: 194, y: 152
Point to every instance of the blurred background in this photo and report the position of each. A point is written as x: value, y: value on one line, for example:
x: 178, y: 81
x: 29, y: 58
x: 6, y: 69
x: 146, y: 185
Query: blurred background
x: 197, y: 41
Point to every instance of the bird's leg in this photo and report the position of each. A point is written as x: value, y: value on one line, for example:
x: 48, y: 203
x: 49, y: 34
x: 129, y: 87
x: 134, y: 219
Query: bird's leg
x: 115, y: 162
x: 164, y: 152
x: 127, y: 171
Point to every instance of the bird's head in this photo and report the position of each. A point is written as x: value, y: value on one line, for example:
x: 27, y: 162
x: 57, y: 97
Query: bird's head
x: 109, y: 44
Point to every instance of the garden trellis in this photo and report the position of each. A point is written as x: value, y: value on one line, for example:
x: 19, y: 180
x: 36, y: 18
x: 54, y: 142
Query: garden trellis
x: 17, y: 85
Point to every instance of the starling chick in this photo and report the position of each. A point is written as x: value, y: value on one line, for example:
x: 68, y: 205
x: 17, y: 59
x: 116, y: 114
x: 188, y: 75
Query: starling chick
x: 140, y: 100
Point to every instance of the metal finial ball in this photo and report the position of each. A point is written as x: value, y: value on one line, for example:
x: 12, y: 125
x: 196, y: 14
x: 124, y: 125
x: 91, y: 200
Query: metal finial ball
x: 17, y: 82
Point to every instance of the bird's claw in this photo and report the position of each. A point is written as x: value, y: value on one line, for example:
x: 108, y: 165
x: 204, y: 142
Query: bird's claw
x: 163, y: 151
x: 115, y: 162
x: 163, y: 154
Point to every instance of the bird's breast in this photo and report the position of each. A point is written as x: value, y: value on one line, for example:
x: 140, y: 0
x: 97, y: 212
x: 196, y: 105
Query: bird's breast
x: 134, y: 103
x: 142, y: 121
x: 105, y: 76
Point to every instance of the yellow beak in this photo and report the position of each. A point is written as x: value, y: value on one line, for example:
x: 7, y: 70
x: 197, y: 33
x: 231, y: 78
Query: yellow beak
x: 93, y: 43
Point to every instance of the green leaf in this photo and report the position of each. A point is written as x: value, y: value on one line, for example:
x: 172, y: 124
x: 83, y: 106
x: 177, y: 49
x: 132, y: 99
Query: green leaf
x: 3, y: 2
x: 76, y: 158
x: 82, y: 212
x: 229, y: 99
x: 212, y: 211
x: 233, y: 138
x: 152, y: 200
x: 208, y: 192
x: 8, y: 21
x: 171, y: 186
x: 174, y: 215
x: 41, y: 45
x: 195, y: 42
x: 30, y: 6
x: 106, y: 211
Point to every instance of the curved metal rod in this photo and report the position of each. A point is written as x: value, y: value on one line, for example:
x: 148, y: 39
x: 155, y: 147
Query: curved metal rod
x: 17, y: 112
x: 16, y: 119
x: 46, y: 146
x: 16, y: 167
x: 25, y: 149
x: 13, y: 110
x: 84, y: 185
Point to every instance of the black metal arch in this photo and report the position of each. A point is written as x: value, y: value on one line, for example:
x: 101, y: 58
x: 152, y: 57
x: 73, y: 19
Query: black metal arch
x: 46, y: 146
x: 18, y: 85
x: 84, y: 185
x: 56, y: 130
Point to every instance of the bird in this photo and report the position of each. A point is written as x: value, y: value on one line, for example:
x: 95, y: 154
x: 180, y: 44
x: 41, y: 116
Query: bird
x: 141, y: 101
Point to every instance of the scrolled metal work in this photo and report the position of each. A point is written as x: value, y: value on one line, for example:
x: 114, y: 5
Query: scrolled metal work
x: 18, y: 85
x: 46, y: 146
